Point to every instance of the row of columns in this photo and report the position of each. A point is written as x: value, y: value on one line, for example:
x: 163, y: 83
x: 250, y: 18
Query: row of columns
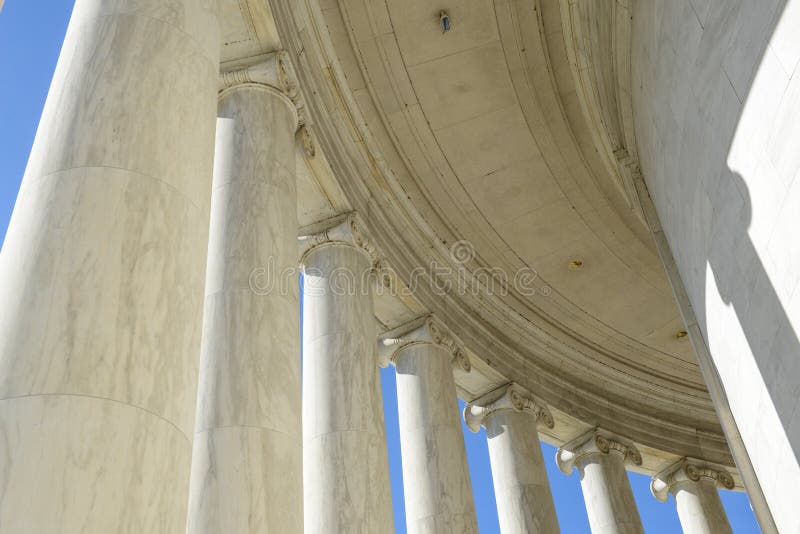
x: 437, y: 486
x: 107, y: 421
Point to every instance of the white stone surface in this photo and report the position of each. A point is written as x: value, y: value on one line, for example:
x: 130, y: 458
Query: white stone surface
x: 247, y: 463
x: 436, y: 479
x: 101, y: 275
x: 717, y: 104
x: 522, y: 490
x: 345, y: 462
x: 600, y: 459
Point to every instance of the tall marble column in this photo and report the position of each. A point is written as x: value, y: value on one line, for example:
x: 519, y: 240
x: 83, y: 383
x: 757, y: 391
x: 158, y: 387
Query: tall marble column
x: 247, y: 462
x: 436, y: 480
x: 345, y: 461
x: 600, y: 458
x: 510, y: 415
x: 694, y: 484
x: 101, y: 275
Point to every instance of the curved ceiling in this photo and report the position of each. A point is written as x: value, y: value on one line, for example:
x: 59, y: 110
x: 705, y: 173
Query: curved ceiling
x: 509, y: 135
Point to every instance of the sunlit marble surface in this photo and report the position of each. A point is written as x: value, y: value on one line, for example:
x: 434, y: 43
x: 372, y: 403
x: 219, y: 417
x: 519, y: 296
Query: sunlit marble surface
x: 101, y: 275
x: 247, y: 464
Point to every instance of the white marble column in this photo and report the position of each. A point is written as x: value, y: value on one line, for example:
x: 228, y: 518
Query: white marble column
x: 247, y: 462
x: 600, y: 458
x: 101, y: 275
x: 694, y: 484
x: 438, y: 492
x: 345, y: 460
x: 511, y: 415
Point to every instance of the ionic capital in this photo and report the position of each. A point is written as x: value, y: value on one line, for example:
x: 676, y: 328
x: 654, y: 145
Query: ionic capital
x: 688, y: 470
x: 596, y: 441
x: 344, y: 229
x: 423, y: 330
x: 509, y: 398
x: 273, y: 70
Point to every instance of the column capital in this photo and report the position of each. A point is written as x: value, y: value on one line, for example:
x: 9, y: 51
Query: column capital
x: 689, y: 470
x: 344, y: 229
x: 596, y: 441
x: 422, y: 330
x: 511, y: 397
x: 273, y: 70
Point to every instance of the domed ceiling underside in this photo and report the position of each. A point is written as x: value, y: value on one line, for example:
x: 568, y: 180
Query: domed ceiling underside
x: 504, y: 144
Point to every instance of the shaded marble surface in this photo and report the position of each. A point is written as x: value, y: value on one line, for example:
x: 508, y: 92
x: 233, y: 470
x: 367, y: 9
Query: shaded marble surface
x: 522, y: 490
x: 346, y: 467
x: 101, y: 275
x: 247, y: 460
x: 436, y: 479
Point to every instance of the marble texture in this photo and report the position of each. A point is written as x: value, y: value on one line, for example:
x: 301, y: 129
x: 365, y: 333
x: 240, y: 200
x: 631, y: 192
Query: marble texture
x: 247, y: 463
x: 101, y: 275
x: 600, y: 460
x: 716, y: 100
x: 345, y: 459
x: 510, y: 416
x: 436, y: 479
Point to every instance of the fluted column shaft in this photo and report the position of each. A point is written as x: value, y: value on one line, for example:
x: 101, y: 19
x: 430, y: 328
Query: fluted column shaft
x: 247, y: 462
x: 694, y: 484
x: 522, y: 490
x: 600, y: 459
x: 345, y: 460
x: 436, y: 478
x: 101, y: 275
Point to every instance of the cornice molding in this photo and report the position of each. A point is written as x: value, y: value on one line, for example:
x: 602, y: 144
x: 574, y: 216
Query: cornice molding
x: 688, y: 471
x: 422, y: 330
x: 596, y: 441
x: 509, y: 398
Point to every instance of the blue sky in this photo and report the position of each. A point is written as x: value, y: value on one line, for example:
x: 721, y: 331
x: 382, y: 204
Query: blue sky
x: 30, y: 39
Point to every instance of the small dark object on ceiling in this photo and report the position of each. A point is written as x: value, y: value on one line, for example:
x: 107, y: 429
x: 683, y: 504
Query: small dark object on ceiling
x: 444, y: 18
